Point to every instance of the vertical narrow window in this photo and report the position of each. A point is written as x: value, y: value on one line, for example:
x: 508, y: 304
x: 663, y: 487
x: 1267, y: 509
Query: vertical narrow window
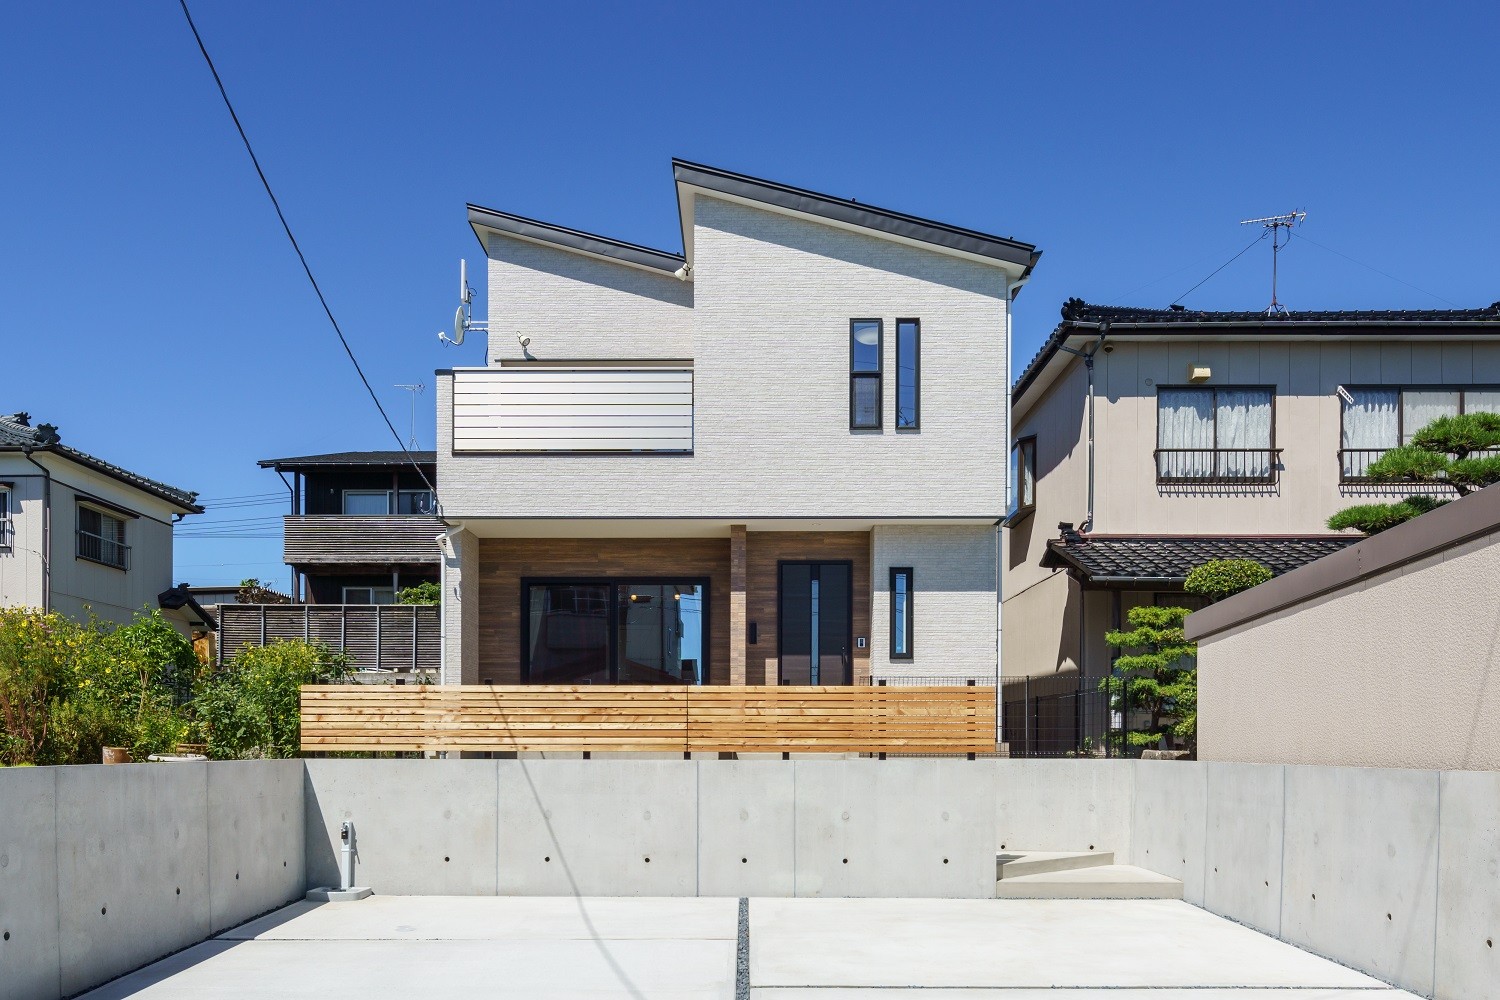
x: 5, y: 542
x: 908, y: 374
x: 901, y: 612
x: 1023, y: 474
x: 865, y: 342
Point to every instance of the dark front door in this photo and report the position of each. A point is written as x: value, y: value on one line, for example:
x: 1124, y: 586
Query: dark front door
x: 815, y: 616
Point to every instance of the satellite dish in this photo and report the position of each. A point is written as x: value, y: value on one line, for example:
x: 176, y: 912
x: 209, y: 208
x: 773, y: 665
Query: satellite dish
x: 460, y: 325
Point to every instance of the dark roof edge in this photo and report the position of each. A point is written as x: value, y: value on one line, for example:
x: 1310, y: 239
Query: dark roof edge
x: 184, y: 499
x: 576, y: 240
x: 1453, y: 524
x: 854, y: 213
x: 1082, y: 319
x: 348, y: 458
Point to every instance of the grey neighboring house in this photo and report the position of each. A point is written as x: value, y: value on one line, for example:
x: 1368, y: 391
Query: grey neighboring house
x: 1214, y: 435
x: 79, y: 535
x: 776, y: 456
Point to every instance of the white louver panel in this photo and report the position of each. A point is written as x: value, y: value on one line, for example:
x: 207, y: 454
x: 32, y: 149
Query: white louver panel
x: 573, y: 409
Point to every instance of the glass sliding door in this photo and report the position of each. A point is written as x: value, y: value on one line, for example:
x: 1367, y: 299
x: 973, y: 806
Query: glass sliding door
x: 815, y: 616
x: 615, y: 631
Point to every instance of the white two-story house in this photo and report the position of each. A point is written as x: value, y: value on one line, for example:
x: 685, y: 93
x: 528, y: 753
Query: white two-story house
x: 777, y: 457
x: 81, y: 536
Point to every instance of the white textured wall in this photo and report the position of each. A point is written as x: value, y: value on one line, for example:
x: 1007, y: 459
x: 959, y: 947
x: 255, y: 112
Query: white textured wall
x: 21, y: 563
x: 577, y: 308
x: 772, y: 301
x: 460, y: 610
x: 1401, y: 670
x: 954, y: 601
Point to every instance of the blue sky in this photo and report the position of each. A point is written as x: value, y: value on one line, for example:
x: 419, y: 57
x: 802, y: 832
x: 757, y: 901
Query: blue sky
x: 150, y: 306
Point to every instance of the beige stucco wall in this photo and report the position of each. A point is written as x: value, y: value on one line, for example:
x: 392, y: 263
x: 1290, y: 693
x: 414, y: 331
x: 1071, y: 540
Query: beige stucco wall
x: 1399, y: 670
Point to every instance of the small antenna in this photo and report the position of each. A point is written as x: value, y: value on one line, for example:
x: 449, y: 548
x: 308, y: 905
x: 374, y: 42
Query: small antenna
x: 415, y: 389
x: 1276, y: 223
x: 463, y: 319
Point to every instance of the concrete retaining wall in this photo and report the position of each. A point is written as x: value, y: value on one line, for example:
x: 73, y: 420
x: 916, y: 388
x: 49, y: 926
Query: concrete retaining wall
x: 658, y: 828
x: 105, y: 869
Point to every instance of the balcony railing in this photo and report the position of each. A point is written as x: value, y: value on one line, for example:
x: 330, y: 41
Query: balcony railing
x: 97, y: 548
x: 350, y: 539
x: 1217, y: 466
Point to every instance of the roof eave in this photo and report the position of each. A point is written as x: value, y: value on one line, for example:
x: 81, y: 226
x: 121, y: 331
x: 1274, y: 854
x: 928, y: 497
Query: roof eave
x: 169, y: 495
x: 659, y: 262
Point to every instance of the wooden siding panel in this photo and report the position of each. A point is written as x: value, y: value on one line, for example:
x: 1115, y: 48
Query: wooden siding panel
x: 339, y: 539
x: 600, y: 718
x: 573, y: 409
x: 388, y: 636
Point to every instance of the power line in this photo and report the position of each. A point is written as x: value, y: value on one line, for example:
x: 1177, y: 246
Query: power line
x: 307, y: 268
x: 1221, y: 267
x: 1377, y: 270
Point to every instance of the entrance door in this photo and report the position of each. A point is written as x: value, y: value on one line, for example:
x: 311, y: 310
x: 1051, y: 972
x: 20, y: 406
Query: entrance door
x: 815, y: 621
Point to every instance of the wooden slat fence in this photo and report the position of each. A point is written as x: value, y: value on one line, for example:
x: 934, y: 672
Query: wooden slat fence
x: 600, y: 718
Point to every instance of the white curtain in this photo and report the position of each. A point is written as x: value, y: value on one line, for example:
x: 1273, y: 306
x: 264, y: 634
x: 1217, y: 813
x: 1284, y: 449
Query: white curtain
x: 1245, y: 423
x: 1418, y: 409
x: 1370, y: 423
x: 1481, y: 401
x: 1185, y: 419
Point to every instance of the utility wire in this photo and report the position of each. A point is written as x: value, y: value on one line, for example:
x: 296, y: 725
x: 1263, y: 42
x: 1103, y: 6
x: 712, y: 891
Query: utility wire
x: 1190, y: 291
x: 1377, y: 270
x: 295, y: 246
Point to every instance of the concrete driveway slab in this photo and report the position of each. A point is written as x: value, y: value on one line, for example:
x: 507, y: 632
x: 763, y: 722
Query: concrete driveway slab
x: 1014, y: 944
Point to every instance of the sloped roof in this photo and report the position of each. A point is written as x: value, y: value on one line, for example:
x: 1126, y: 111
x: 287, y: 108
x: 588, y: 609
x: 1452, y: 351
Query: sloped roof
x: 1125, y: 559
x: 337, y: 458
x: 1083, y: 318
x: 17, y: 434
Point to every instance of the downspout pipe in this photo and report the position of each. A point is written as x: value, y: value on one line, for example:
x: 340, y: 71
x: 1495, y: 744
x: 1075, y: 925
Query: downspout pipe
x: 1088, y: 365
x: 46, y: 530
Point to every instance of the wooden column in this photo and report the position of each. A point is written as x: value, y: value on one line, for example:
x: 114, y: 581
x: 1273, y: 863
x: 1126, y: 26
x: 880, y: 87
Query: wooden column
x: 738, y: 627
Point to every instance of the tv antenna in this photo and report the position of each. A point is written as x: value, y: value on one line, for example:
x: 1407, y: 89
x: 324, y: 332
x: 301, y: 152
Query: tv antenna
x: 1276, y: 223
x: 463, y: 319
x: 415, y: 389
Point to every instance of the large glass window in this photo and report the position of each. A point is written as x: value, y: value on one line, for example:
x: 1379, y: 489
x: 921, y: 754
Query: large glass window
x: 369, y: 595
x: 1214, y: 435
x: 908, y: 374
x: 616, y: 631
x: 865, y: 337
x: 901, y: 613
x: 1378, y: 418
x: 367, y: 503
x: 414, y: 502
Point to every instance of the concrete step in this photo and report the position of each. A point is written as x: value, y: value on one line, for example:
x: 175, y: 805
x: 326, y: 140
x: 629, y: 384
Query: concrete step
x: 1012, y: 864
x: 1103, y: 882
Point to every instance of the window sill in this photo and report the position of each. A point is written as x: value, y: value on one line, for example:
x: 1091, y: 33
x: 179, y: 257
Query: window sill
x: 1011, y: 520
x: 101, y: 562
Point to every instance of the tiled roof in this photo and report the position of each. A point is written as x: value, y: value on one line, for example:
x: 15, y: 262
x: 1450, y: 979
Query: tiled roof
x: 17, y: 433
x: 1126, y: 558
x: 1079, y: 316
x: 352, y: 458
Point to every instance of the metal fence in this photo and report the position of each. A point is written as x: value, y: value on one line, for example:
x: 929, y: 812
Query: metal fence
x: 1057, y: 715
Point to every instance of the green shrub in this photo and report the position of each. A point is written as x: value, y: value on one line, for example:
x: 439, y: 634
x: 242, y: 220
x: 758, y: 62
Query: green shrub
x: 1220, y: 578
x: 422, y: 593
x: 37, y: 657
x: 253, y: 707
x: 1373, y: 518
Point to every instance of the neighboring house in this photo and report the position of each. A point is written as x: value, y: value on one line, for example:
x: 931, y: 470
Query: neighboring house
x: 79, y: 535
x: 777, y: 457
x: 362, y: 525
x: 1214, y: 435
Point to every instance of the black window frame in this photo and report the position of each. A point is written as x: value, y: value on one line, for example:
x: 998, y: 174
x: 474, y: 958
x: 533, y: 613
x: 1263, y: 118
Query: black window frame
x: 781, y: 565
x: 1400, y: 389
x: 614, y: 582
x: 878, y: 375
x: 1215, y: 477
x: 909, y: 615
x: 1024, y: 445
x: 916, y: 375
